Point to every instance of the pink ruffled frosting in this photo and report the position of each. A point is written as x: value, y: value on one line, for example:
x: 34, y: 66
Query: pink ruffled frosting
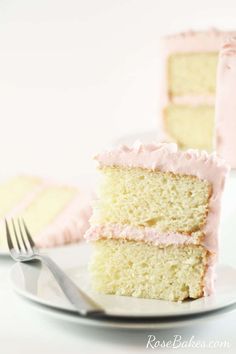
x: 225, y: 102
x: 166, y: 157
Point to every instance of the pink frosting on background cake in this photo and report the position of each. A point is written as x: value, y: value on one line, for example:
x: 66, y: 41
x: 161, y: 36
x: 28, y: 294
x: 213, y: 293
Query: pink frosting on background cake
x: 189, y: 42
x: 226, y: 102
x: 195, y: 41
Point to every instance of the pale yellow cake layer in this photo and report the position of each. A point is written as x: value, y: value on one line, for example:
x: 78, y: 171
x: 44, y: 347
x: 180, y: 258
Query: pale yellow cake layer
x: 192, y: 73
x: 14, y: 190
x: 141, y: 197
x: 190, y: 127
x: 46, y: 207
x: 137, y: 269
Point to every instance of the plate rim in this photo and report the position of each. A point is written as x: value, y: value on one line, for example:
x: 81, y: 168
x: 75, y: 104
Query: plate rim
x: 69, y: 308
x: 119, y: 324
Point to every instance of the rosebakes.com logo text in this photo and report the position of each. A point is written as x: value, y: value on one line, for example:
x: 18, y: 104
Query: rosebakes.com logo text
x: 178, y: 342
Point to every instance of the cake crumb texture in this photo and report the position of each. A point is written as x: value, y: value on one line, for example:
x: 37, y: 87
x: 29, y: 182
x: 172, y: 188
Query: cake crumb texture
x: 137, y: 269
x: 192, y: 73
x: 190, y: 125
x: 141, y: 197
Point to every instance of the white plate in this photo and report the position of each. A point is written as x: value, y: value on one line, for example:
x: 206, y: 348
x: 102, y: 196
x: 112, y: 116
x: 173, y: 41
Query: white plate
x: 169, y: 322
x: 36, y: 283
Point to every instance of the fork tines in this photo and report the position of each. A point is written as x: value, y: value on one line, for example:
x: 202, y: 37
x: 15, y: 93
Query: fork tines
x: 18, y: 237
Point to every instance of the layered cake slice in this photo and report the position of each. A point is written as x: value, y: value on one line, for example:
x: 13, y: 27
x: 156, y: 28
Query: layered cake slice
x: 55, y: 214
x: 155, y: 222
x: 189, y: 84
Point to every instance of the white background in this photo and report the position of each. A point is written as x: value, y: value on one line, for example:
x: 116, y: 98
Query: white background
x: 76, y: 74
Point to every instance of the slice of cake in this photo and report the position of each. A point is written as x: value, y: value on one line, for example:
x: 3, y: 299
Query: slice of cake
x: 155, y: 223
x: 55, y: 214
x: 189, y: 83
x: 226, y: 102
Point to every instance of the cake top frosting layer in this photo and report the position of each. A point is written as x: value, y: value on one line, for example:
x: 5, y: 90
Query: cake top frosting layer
x: 195, y: 41
x: 166, y: 157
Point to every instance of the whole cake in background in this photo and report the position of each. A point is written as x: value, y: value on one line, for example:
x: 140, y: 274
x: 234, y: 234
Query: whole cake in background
x: 155, y: 223
x: 189, y: 85
x: 226, y: 102
x: 55, y: 214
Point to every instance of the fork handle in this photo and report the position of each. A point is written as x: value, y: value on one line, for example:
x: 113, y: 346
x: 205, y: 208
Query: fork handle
x: 82, y: 302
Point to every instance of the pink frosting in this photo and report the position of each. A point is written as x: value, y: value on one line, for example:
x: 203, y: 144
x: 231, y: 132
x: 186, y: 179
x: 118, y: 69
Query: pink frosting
x: 191, y: 100
x: 195, y: 41
x: 226, y: 103
x: 166, y: 157
x: 147, y: 234
x: 210, y: 276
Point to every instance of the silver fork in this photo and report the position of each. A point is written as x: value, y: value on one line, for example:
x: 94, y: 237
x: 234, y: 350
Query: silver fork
x: 24, y: 250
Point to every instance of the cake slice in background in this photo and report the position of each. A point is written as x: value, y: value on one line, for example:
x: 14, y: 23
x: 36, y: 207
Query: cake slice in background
x: 155, y: 223
x: 54, y: 213
x: 189, y: 84
x: 13, y: 193
x: 226, y: 103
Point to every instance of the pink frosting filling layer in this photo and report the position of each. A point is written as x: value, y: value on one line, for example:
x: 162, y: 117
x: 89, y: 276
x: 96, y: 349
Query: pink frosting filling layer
x: 190, y: 100
x: 147, y: 234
